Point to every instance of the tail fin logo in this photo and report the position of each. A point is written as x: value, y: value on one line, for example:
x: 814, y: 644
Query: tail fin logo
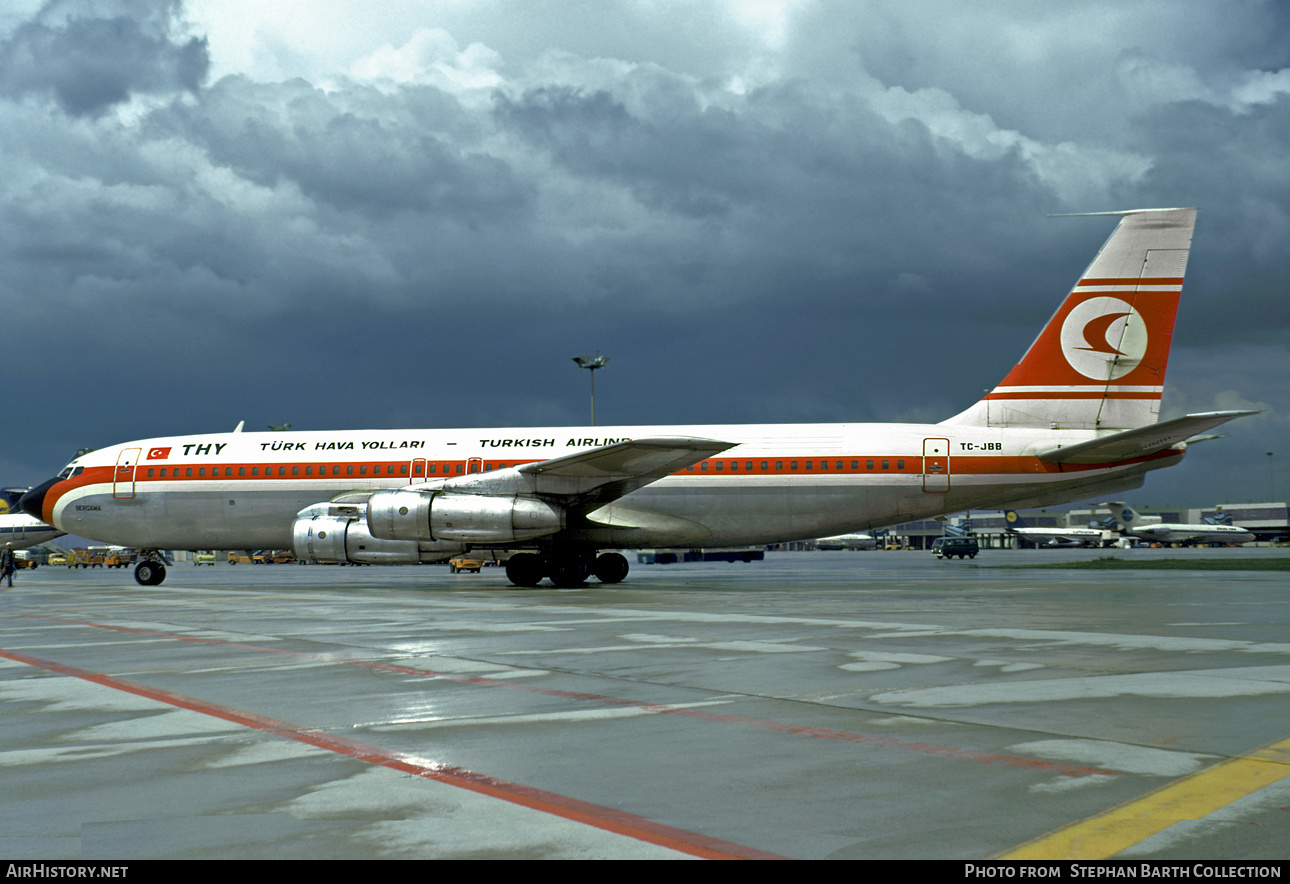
x: 1104, y: 338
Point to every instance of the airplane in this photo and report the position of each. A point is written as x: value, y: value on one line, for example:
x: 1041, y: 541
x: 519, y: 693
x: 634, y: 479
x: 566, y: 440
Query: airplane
x: 20, y: 529
x: 1056, y: 537
x: 1075, y: 418
x: 847, y: 541
x: 1152, y: 528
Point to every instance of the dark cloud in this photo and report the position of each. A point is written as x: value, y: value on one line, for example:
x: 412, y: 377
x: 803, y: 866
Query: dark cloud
x: 88, y: 63
x: 803, y: 248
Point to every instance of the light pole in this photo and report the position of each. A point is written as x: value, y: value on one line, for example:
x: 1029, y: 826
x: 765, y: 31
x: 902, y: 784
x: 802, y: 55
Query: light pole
x: 1272, y: 485
x: 591, y: 363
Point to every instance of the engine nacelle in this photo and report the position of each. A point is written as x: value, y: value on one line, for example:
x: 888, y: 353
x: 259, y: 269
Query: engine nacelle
x: 465, y: 518
x: 339, y: 538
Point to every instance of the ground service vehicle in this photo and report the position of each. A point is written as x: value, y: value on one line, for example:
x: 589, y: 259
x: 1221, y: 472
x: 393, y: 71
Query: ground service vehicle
x: 949, y: 547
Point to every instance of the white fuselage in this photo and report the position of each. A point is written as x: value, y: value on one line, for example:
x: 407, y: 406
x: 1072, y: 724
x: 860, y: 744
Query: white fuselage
x: 1058, y: 536
x: 1180, y: 533
x: 23, y: 531
x: 778, y: 482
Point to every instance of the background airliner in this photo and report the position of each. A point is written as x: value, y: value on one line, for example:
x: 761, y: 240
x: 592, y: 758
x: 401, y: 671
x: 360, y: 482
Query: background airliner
x: 18, y: 528
x: 1075, y: 418
x: 1128, y: 520
x: 1015, y: 524
x: 863, y: 540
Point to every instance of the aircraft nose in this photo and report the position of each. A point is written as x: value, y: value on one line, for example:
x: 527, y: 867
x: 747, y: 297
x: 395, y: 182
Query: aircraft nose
x: 33, y: 502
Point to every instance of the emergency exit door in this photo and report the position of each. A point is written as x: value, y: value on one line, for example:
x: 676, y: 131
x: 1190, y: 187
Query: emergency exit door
x: 936, y: 465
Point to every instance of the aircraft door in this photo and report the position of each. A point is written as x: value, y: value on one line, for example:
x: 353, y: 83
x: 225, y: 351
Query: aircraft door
x: 475, y: 465
x: 936, y: 465
x: 123, y: 478
x: 418, y: 470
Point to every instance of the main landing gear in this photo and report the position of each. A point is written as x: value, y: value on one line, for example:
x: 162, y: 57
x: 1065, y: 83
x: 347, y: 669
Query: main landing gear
x: 151, y: 571
x: 566, y: 569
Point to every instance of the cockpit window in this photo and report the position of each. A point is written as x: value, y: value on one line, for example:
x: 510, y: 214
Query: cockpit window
x: 70, y: 471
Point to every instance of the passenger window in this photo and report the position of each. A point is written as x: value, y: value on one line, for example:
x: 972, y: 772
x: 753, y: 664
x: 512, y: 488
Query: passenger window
x: 309, y: 471
x: 404, y: 470
x: 149, y: 472
x: 868, y: 465
x: 720, y: 464
x: 295, y: 471
x: 748, y: 466
x: 188, y: 473
x: 349, y: 469
x: 792, y: 465
x: 779, y: 465
x: 202, y: 471
x: 886, y: 465
x: 900, y: 464
x: 765, y: 466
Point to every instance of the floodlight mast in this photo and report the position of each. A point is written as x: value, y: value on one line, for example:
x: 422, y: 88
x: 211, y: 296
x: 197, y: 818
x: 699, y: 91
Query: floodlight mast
x: 591, y: 363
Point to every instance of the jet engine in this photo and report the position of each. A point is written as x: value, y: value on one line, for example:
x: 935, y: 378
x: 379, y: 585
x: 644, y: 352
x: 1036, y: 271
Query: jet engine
x: 324, y: 533
x: 438, y: 516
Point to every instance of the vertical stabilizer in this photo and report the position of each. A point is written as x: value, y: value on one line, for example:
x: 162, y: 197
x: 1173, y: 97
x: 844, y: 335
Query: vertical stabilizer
x: 1100, y: 361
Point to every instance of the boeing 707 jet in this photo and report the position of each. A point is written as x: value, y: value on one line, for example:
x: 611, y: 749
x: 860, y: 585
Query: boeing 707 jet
x: 1075, y: 418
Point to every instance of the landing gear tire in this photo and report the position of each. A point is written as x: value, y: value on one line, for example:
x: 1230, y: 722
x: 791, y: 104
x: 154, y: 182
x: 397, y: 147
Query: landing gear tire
x: 610, y: 568
x: 567, y: 573
x: 525, y: 569
x: 149, y: 573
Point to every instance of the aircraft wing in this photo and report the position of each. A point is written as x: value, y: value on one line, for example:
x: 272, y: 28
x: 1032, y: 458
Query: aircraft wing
x: 590, y: 479
x: 1141, y: 441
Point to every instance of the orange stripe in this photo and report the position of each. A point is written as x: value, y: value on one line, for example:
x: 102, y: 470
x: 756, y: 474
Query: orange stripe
x: 1071, y: 394
x: 1149, y: 280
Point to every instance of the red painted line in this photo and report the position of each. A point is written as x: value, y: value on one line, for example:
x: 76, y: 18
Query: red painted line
x: 1129, y: 280
x: 572, y: 809
x: 922, y: 748
x: 1071, y: 394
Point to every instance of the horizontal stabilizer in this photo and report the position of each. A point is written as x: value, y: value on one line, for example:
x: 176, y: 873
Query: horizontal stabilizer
x: 1139, y: 442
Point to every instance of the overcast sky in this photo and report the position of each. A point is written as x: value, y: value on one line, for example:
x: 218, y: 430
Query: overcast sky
x: 413, y: 214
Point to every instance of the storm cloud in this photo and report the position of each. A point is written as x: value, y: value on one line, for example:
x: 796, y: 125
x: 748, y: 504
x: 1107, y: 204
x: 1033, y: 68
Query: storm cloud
x: 90, y: 57
x: 782, y: 211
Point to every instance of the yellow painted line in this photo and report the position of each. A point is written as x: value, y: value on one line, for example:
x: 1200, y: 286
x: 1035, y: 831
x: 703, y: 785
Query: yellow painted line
x: 1192, y: 798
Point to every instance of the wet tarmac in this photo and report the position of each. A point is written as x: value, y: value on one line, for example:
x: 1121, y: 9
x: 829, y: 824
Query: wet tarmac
x: 829, y: 704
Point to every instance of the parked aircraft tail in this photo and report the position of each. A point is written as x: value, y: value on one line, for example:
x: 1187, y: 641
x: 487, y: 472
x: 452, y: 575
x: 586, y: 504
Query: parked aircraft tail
x: 1123, y: 516
x: 1013, y: 520
x: 9, y: 498
x: 1100, y: 361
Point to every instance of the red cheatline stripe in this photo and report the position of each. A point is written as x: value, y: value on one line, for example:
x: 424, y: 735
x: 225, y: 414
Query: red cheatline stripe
x: 1071, y: 394
x: 974, y: 755
x: 1151, y: 280
x: 605, y: 818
